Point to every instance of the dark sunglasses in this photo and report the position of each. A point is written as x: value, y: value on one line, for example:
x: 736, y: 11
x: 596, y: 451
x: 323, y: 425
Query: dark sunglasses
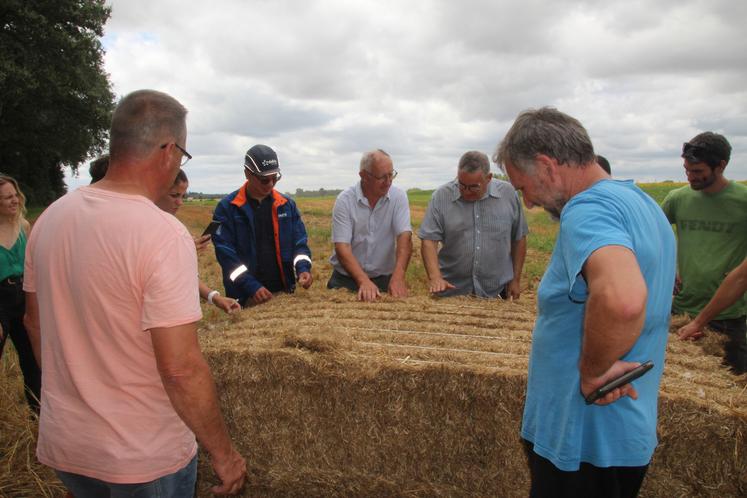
x: 265, y: 180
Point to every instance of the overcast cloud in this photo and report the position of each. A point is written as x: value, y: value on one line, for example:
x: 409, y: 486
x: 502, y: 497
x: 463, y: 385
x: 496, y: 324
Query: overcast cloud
x: 323, y: 81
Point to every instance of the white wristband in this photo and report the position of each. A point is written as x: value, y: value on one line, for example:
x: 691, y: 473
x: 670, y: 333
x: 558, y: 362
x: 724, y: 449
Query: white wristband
x: 211, y: 295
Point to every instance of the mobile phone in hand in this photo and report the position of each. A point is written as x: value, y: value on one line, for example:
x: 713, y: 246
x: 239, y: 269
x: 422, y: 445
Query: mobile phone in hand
x: 211, y: 228
x: 619, y: 381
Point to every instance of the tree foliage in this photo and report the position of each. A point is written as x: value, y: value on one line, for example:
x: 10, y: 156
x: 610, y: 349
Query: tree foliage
x: 55, y: 97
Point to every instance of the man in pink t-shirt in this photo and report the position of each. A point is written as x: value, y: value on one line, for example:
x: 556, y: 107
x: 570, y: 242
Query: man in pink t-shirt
x: 112, y: 311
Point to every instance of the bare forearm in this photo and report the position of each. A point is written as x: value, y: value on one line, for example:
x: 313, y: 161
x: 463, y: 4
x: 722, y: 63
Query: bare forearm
x: 518, y: 255
x: 403, y: 254
x: 429, y: 252
x: 187, y: 380
x: 194, y: 397
x: 731, y: 289
x: 204, y: 290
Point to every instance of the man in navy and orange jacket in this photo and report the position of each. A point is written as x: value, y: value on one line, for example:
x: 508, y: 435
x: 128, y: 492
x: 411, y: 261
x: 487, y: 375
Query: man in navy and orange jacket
x: 261, y: 244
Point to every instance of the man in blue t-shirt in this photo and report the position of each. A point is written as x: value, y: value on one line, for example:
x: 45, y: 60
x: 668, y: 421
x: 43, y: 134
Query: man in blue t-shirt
x: 603, y: 308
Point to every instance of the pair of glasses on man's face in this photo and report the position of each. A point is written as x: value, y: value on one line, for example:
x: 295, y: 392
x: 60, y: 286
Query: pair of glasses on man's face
x: 469, y: 188
x: 389, y: 176
x: 186, y: 156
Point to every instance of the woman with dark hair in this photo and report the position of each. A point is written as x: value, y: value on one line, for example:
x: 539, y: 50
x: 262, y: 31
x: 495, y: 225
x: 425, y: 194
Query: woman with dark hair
x: 14, y: 230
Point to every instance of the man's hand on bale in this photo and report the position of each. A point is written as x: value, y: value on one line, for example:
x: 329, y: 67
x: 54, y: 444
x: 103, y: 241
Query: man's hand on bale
x: 691, y: 332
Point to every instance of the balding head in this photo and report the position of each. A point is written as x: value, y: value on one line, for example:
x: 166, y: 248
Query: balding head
x: 143, y: 120
x: 372, y: 157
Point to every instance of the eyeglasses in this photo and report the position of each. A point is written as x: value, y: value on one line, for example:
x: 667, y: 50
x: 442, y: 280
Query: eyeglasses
x: 389, y: 176
x: 186, y: 156
x: 265, y: 180
x: 469, y: 188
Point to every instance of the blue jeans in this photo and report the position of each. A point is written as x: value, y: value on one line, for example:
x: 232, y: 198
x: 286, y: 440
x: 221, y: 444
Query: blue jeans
x: 180, y: 484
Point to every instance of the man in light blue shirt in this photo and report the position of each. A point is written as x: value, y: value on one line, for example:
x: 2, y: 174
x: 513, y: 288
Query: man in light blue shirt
x: 603, y: 308
x: 481, y: 227
x: 369, y: 220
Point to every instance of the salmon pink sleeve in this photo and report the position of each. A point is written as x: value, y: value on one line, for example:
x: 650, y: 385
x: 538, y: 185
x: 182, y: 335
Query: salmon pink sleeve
x: 171, y: 296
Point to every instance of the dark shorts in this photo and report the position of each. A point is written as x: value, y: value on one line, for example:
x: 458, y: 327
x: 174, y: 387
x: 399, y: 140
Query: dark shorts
x: 588, y: 481
x: 735, y: 350
x: 340, y: 281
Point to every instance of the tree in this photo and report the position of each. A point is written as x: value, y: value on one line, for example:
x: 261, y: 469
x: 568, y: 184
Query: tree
x: 55, y: 97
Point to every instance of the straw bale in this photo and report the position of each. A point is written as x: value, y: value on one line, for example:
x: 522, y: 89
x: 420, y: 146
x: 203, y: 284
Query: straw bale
x: 20, y: 473
x: 319, y: 424
x: 326, y: 396
x: 423, y: 397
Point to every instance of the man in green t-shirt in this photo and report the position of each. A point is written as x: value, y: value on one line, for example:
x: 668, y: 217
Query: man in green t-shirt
x: 711, y: 220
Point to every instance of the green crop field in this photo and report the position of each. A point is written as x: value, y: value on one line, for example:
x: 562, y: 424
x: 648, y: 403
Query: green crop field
x: 660, y: 190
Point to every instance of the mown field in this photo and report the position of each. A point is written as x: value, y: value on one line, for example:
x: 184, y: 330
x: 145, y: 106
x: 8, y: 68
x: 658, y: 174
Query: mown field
x: 418, y: 397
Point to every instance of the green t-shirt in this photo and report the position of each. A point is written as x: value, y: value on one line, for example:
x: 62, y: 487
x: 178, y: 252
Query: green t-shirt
x: 711, y: 241
x: 11, y: 260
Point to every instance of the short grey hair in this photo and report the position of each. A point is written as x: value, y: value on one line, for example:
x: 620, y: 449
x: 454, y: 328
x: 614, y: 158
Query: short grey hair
x: 545, y: 131
x: 474, y: 160
x: 142, y: 120
x: 369, y: 158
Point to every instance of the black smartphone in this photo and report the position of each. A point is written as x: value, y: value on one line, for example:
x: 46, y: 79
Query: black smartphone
x: 620, y: 381
x: 211, y: 228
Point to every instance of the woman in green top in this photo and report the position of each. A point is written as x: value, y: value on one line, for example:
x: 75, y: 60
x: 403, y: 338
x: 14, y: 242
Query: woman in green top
x: 14, y: 230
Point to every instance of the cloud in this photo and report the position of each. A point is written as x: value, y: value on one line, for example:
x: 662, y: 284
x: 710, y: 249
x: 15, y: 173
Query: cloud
x: 325, y: 80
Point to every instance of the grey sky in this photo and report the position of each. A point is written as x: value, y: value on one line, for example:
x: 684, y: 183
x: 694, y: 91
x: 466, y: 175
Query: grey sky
x: 323, y: 81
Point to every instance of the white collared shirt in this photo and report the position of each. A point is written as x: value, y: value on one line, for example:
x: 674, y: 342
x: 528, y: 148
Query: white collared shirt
x: 371, y: 233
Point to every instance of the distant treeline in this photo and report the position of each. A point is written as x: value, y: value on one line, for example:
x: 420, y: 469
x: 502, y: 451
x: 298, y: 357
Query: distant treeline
x: 322, y: 192
x: 200, y: 196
